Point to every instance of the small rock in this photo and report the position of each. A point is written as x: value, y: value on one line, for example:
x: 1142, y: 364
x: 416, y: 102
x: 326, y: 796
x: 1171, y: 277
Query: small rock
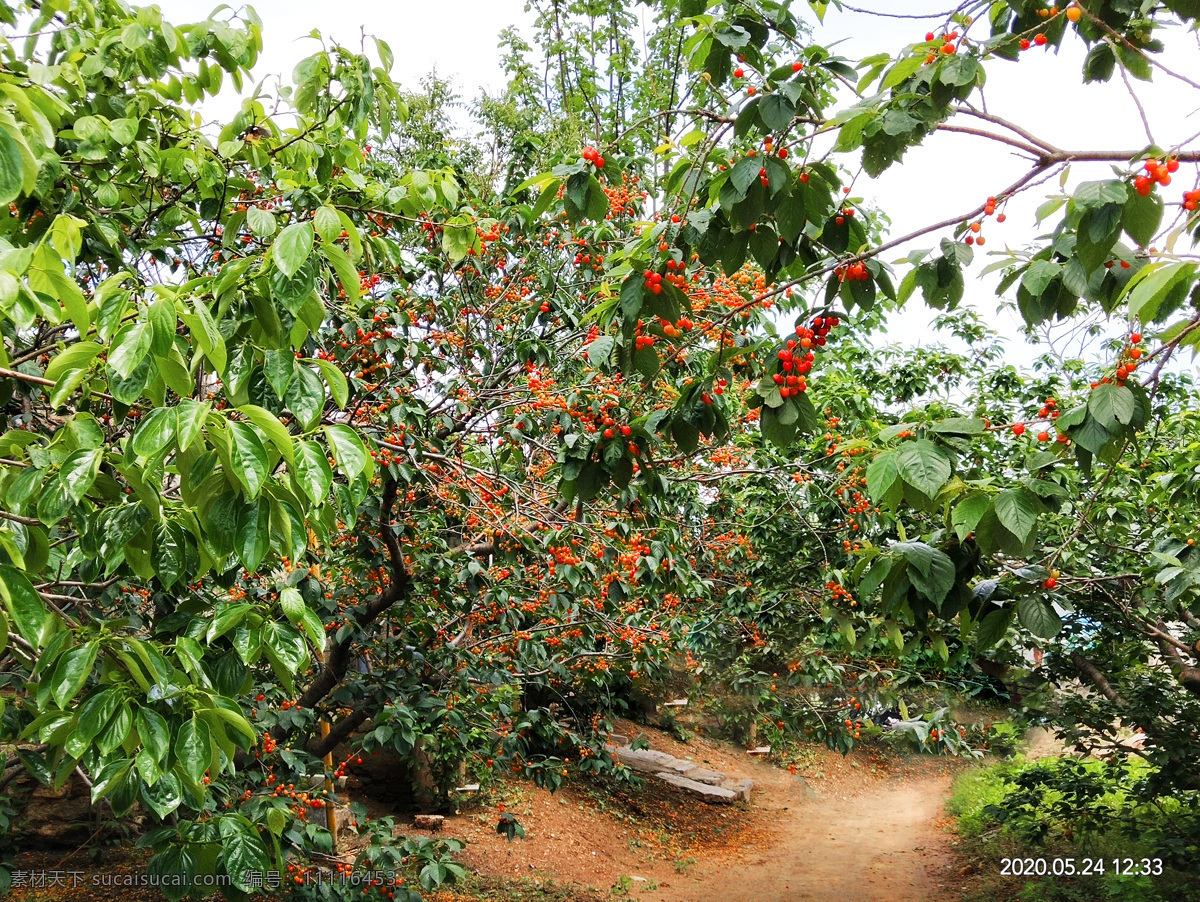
x: 428, y: 821
x: 470, y: 787
x: 676, y: 703
x: 761, y: 750
x: 618, y: 740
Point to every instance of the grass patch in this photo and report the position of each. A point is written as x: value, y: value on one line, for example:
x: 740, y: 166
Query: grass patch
x: 1062, y: 814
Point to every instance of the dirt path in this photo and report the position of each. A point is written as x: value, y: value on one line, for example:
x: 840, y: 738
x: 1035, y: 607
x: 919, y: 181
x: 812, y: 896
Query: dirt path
x: 884, y: 842
x: 865, y: 828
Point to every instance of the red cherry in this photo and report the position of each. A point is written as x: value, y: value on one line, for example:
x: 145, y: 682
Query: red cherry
x: 739, y: 72
x: 1136, y: 337
x: 1050, y: 583
x: 1040, y: 40
x: 796, y: 67
x: 1019, y: 429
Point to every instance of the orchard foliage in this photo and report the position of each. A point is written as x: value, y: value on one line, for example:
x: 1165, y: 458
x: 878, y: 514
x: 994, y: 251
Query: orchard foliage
x: 321, y: 415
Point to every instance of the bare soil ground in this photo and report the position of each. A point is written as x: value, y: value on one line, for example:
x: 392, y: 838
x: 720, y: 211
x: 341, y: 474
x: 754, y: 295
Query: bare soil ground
x: 865, y: 827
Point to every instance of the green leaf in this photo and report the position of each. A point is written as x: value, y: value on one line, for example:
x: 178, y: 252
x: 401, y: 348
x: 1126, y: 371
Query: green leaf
x: 190, y: 417
x: 901, y: 71
x: 206, y: 334
x: 776, y: 112
x: 25, y: 607
x: 154, y: 432
x: 71, y: 672
x: 348, y: 450
x: 967, y: 513
x: 314, y: 627
x: 327, y: 223
x: 164, y: 796
x: 130, y: 348
x: 250, y: 462
x: 1101, y: 193
x: 94, y: 715
x: 959, y: 70
x: 233, y: 719
x: 1090, y: 435
x: 345, y: 270
x: 72, y: 359
x: 110, y: 780
x: 292, y: 247
x: 1017, y: 511
x: 305, y: 397
x: 243, y: 852
x: 883, y: 479
x: 79, y: 472
x: 1100, y: 63
x: 193, y: 748
x: 253, y: 539
x: 12, y: 167
x: 1142, y: 217
x: 274, y: 430
x: 312, y: 470
x: 993, y: 628
x: 924, y: 466
x: 775, y: 430
x: 262, y: 222
x: 339, y: 388
x: 935, y: 585
x: 1153, y: 284
x: 1039, y: 276
x: 284, y: 646
x: 153, y: 731
x: 292, y: 604
x: 1111, y: 404
x: 599, y: 349
x: 1039, y: 617
x: 279, y: 366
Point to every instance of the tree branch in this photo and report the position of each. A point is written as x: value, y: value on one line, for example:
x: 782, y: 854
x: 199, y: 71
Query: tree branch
x: 337, y: 660
x: 1092, y: 674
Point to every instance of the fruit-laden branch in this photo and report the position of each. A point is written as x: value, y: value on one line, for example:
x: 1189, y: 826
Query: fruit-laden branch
x: 337, y: 659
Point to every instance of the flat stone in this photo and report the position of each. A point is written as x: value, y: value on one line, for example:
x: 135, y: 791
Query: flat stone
x: 470, y: 787
x: 761, y: 750
x: 617, y: 739
x: 714, y: 795
x: 740, y: 788
x: 428, y: 821
x: 676, y: 703
x: 711, y: 777
x: 649, y: 761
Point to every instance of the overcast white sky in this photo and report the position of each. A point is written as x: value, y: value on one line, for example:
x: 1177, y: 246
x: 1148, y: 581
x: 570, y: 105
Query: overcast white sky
x: 951, y: 173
